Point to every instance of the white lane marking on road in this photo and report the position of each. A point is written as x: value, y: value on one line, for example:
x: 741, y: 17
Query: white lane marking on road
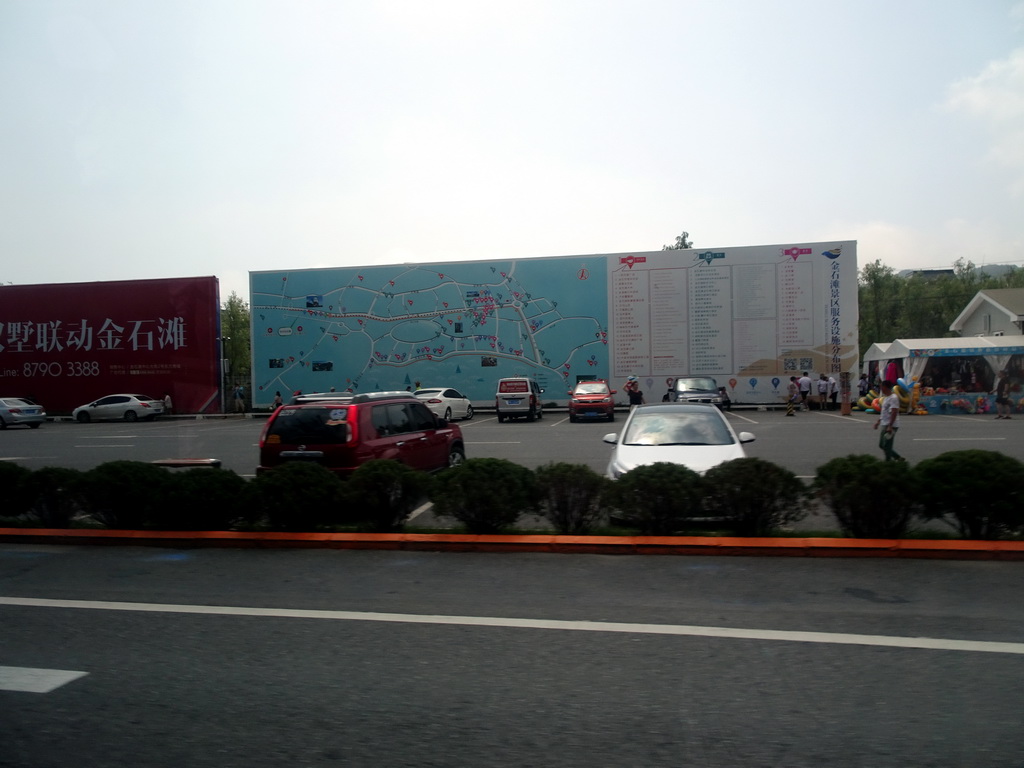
x: 29, y: 680
x: 109, y: 437
x: 130, y: 445
x: 831, y: 638
x: 954, y: 439
x: 494, y: 442
x: 747, y: 419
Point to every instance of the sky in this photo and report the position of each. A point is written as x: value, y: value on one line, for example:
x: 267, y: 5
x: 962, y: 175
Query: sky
x: 145, y: 139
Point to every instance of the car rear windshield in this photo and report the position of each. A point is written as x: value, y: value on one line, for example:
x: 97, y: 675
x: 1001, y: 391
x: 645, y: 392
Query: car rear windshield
x: 592, y: 388
x: 513, y: 386
x: 311, y: 426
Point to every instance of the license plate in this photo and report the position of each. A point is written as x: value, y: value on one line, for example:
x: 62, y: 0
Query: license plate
x: 512, y: 402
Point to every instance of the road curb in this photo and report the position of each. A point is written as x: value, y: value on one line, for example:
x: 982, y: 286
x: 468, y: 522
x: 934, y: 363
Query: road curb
x: 602, y: 545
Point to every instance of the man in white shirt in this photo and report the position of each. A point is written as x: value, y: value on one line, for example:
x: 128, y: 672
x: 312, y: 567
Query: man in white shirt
x: 889, y: 421
x: 805, y: 383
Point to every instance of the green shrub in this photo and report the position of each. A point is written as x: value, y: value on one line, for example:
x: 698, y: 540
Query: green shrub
x: 125, y: 494
x: 56, y: 495
x: 658, y: 498
x: 754, y: 496
x: 573, y: 497
x: 870, y: 498
x: 382, y: 493
x: 297, y: 496
x: 201, y: 499
x: 16, y: 493
x: 980, y: 493
x: 485, y: 495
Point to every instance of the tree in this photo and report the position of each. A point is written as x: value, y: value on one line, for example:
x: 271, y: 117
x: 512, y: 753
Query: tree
x: 234, y: 332
x: 682, y: 241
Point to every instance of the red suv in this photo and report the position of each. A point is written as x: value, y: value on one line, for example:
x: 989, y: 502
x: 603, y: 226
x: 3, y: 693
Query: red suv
x: 343, y: 432
x: 591, y: 399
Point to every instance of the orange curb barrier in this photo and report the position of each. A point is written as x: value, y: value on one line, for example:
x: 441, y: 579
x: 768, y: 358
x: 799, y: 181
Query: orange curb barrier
x: 552, y: 543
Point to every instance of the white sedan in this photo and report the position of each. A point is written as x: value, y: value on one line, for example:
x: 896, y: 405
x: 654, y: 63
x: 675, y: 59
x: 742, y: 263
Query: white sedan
x: 127, y: 407
x: 696, y: 436
x: 446, y: 402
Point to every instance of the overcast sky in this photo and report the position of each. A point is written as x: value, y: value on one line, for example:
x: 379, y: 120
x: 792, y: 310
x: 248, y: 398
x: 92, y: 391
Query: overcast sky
x: 167, y: 139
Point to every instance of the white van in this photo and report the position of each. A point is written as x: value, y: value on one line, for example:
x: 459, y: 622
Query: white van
x: 518, y: 396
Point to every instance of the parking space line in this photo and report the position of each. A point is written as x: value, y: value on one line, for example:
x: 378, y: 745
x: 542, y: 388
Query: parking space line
x: 680, y: 630
x: 29, y: 680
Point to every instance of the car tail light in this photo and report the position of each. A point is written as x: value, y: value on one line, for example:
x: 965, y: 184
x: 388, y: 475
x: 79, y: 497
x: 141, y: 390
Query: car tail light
x: 15, y: 410
x: 434, y: 400
x: 144, y: 405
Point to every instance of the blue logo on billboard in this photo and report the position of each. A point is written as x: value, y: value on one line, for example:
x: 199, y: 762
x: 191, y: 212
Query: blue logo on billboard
x: 708, y: 256
x: 834, y: 253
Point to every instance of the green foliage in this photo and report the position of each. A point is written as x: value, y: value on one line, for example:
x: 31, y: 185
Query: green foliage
x: 485, y: 495
x: 17, y: 495
x: 682, y: 241
x: 126, y: 494
x: 382, y: 493
x: 297, y: 496
x: 658, y: 498
x: 573, y: 497
x: 754, y: 496
x: 55, y: 494
x: 235, y: 324
x: 203, y: 500
x: 870, y: 498
x: 980, y: 493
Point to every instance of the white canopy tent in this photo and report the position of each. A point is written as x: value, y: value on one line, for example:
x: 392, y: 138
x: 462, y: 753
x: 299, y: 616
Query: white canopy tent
x: 914, y: 354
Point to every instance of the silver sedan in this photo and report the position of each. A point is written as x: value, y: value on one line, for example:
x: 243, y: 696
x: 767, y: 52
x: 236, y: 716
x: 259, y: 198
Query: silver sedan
x: 17, y: 410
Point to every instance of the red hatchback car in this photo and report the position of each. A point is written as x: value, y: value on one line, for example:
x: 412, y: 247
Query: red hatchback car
x: 342, y: 433
x: 591, y: 399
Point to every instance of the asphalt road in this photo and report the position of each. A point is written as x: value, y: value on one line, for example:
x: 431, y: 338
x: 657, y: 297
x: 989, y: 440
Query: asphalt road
x: 801, y: 444
x: 319, y: 658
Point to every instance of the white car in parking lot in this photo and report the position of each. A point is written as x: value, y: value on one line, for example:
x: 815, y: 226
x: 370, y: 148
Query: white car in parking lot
x: 446, y: 402
x: 697, y: 436
x: 116, y: 407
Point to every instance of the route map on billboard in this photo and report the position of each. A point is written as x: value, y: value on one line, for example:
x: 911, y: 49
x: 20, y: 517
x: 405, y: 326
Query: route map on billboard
x: 749, y: 316
x: 66, y: 344
x: 463, y: 325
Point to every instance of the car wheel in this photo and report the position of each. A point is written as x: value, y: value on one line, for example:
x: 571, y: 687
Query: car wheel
x: 83, y: 418
x: 131, y: 416
x: 469, y: 412
x: 611, y: 415
x: 456, y: 456
x: 34, y: 425
x: 3, y: 424
x: 447, y: 414
x: 572, y: 418
x: 531, y: 415
x: 501, y: 419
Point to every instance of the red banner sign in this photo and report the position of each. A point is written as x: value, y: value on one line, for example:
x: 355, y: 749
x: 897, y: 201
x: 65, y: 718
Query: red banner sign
x: 68, y: 344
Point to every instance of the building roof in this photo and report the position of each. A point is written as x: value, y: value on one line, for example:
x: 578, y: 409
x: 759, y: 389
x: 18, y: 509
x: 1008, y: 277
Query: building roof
x: 1009, y: 301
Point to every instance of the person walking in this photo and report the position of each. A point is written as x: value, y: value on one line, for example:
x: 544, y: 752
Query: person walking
x: 1002, y: 393
x: 822, y: 392
x: 833, y: 393
x: 794, y: 396
x: 632, y: 388
x: 889, y: 421
x: 168, y: 404
x: 805, y: 383
x: 278, y: 401
x: 239, y: 397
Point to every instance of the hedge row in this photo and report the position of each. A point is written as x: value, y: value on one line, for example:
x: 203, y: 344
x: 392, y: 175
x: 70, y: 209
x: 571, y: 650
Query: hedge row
x: 979, y: 493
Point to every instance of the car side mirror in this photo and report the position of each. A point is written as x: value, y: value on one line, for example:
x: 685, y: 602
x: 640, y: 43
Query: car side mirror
x: 746, y: 437
x: 614, y: 391
x: 611, y: 437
